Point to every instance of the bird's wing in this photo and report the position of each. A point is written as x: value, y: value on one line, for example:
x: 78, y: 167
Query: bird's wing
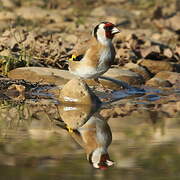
x: 80, y: 49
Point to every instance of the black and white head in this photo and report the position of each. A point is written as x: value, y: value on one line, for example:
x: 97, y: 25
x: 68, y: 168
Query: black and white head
x: 100, y: 159
x: 105, y: 31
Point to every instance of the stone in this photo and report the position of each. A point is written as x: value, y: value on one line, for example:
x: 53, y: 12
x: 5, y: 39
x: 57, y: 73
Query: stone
x: 61, y: 77
x: 128, y: 76
x: 138, y: 69
x: 124, y: 55
x: 168, y: 52
x: 156, y: 66
x: 172, y: 77
x: 157, y: 82
x: 173, y: 22
x: 8, y: 3
x: 6, y: 15
x: 32, y: 13
x: 177, y: 49
x: 76, y: 91
x: 112, y: 19
x: 41, y: 74
x: 125, y: 35
x: 5, y: 52
x: 71, y: 38
x: 150, y: 50
x: 99, y: 11
x: 16, y: 92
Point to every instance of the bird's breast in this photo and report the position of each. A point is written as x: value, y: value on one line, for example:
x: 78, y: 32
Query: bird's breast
x: 106, y: 58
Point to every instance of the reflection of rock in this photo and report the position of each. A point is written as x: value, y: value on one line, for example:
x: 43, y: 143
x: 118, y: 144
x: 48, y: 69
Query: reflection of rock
x: 91, y: 132
x: 75, y: 116
x: 77, y: 91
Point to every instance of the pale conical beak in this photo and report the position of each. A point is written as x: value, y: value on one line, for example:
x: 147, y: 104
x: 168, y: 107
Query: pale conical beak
x: 115, y: 30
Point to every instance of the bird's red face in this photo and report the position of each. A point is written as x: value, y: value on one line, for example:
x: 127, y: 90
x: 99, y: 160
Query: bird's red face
x: 105, y: 31
x: 110, y: 30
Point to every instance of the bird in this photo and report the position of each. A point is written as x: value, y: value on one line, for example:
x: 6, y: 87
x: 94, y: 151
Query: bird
x: 90, y: 131
x: 92, y: 58
x: 97, y: 136
x: 94, y: 137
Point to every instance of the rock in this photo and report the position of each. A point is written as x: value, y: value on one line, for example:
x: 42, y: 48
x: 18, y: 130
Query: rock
x: 128, y: 76
x: 55, y: 16
x: 125, y: 35
x: 5, y: 52
x: 172, y: 77
x: 60, y: 77
x: 99, y: 11
x: 16, y: 92
x: 178, y: 106
x: 71, y: 38
x: 115, y: 1
x: 19, y: 88
x: 156, y: 66
x: 32, y: 13
x: 40, y: 74
x: 112, y: 19
x: 3, y: 25
x: 138, y: 69
x: 8, y: 3
x: 177, y: 49
x: 76, y: 91
x: 7, y: 15
x: 29, y: 39
x: 168, y: 36
x: 173, y: 22
x: 156, y: 36
x: 170, y: 108
x: 75, y: 116
x: 13, y: 37
x: 157, y: 82
x: 168, y: 52
x: 124, y: 55
x: 146, y: 52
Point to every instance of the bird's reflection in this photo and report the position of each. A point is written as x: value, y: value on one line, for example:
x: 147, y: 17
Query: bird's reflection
x: 90, y: 131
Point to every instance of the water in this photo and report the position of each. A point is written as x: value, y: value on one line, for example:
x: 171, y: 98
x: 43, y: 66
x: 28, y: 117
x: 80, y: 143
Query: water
x: 38, y: 140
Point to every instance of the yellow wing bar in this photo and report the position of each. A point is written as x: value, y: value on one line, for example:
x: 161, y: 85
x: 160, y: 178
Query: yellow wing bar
x: 73, y: 57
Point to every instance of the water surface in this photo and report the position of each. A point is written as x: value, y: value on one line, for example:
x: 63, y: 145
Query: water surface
x: 145, y: 143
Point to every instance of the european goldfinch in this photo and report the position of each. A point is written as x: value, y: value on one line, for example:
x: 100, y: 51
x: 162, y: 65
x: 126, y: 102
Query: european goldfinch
x: 95, y: 56
x: 95, y: 136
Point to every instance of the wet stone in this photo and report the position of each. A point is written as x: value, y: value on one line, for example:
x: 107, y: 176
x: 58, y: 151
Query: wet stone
x: 157, y: 82
x: 172, y: 77
x: 76, y: 91
x: 156, y: 66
